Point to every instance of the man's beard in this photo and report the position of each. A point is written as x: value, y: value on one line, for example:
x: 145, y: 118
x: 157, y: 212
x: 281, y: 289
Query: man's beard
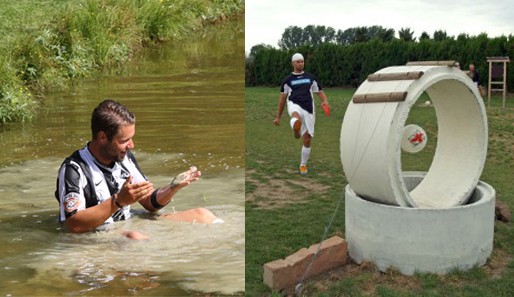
x: 110, y: 153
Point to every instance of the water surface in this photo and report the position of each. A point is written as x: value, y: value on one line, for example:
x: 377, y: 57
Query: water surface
x: 188, y: 101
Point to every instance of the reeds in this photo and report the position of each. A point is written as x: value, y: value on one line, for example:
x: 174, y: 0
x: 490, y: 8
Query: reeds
x: 73, y: 39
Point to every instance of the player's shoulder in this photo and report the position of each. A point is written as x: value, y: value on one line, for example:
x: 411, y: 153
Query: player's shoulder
x: 287, y: 78
x: 72, y: 172
x: 310, y: 75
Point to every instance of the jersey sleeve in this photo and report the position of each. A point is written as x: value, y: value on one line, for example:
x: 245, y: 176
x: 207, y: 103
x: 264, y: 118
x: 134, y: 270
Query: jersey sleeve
x: 316, y: 86
x: 71, y: 194
x: 284, y: 86
x: 286, y: 89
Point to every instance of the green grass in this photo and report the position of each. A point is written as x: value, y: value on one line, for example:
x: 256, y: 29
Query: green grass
x: 286, y: 212
x: 46, y: 43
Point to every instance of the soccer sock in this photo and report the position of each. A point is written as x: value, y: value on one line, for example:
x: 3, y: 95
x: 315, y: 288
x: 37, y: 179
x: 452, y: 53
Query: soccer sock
x: 292, y: 121
x: 306, y: 151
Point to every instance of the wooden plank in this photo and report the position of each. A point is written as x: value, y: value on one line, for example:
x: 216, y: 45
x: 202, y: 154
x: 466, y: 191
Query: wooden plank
x: 498, y: 59
x: 450, y: 63
x: 411, y: 75
x: 380, y: 97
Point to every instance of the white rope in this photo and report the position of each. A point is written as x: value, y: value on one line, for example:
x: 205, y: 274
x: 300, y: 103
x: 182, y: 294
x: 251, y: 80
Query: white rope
x: 299, y: 287
x: 355, y: 168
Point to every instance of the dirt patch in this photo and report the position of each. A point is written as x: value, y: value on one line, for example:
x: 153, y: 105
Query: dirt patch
x: 272, y: 192
x: 367, y: 278
x: 498, y: 263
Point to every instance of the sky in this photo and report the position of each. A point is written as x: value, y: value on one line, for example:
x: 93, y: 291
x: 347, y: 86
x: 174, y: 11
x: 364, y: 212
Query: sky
x: 266, y: 20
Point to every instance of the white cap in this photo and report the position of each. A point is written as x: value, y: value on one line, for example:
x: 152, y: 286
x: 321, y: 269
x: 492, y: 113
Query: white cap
x: 297, y: 57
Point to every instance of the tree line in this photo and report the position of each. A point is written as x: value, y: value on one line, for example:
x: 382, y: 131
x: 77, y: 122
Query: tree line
x: 295, y: 36
x: 345, y: 58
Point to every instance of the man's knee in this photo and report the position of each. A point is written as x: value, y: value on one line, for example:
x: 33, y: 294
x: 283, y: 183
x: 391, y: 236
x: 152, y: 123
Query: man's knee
x: 203, y: 215
x: 307, y: 139
x: 136, y: 235
x: 202, y: 211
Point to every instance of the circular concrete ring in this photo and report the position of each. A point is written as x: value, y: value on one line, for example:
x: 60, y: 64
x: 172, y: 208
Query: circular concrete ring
x: 421, y: 240
x: 371, y: 139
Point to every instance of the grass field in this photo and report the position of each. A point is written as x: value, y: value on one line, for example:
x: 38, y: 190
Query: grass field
x: 286, y: 211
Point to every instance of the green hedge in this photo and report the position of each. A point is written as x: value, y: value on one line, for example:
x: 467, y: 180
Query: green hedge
x: 349, y: 65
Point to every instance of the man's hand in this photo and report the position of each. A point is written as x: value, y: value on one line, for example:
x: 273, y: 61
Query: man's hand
x: 277, y: 121
x: 326, y: 107
x: 185, y: 178
x: 131, y: 193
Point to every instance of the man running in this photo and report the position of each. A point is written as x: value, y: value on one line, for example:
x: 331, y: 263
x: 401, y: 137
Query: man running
x: 298, y: 88
x: 97, y: 184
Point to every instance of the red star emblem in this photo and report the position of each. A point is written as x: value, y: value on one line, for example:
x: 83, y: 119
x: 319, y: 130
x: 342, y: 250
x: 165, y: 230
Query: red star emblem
x: 417, y: 138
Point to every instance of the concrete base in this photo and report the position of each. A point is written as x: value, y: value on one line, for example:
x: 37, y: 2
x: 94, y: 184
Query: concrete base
x: 421, y: 239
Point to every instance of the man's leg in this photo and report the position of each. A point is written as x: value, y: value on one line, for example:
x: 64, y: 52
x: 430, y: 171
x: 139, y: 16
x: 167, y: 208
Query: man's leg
x: 306, y: 151
x: 296, y: 124
x: 196, y: 215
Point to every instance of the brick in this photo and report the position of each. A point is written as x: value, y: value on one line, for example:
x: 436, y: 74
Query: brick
x: 283, y: 273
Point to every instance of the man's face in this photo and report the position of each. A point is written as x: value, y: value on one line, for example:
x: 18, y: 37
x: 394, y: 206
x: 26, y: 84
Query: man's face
x: 117, y: 149
x: 298, y: 65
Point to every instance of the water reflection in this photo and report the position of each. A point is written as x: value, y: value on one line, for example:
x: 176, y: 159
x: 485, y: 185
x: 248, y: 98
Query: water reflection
x: 188, y: 101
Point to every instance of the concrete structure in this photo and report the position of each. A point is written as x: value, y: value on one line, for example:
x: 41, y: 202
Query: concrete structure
x: 421, y: 239
x: 373, y: 127
x: 432, y: 221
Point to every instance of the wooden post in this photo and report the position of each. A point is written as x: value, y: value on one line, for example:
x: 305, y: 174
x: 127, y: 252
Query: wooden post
x: 489, y: 84
x: 503, y: 82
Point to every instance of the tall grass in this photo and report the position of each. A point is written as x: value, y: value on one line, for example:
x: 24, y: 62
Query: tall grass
x: 47, y: 43
x: 16, y: 100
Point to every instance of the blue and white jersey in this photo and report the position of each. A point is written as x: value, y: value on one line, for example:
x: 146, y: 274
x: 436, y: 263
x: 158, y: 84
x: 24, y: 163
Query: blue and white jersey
x: 299, y: 89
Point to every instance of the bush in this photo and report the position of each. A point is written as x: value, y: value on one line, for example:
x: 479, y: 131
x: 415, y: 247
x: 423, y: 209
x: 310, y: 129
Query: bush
x: 15, y: 99
x: 349, y: 65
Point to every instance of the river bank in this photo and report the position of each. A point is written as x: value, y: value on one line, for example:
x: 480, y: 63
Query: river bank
x: 48, y: 43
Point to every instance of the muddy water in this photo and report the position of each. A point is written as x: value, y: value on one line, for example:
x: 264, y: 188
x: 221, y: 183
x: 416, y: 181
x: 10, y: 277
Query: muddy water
x: 188, y: 100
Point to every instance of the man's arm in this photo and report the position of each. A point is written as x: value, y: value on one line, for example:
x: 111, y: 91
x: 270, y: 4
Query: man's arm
x: 88, y: 219
x: 162, y: 196
x: 323, y: 98
x: 281, y: 105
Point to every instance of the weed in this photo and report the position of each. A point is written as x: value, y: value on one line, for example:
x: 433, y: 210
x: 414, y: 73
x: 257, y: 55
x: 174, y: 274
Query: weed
x: 47, y: 43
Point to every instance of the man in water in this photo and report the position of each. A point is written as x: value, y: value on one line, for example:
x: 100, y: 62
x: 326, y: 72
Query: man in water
x: 297, y: 88
x: 97, y: 184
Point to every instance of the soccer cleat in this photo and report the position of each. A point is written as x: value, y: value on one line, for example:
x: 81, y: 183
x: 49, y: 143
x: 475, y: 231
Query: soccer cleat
x: 303, y: 169
x: 296, y: 128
